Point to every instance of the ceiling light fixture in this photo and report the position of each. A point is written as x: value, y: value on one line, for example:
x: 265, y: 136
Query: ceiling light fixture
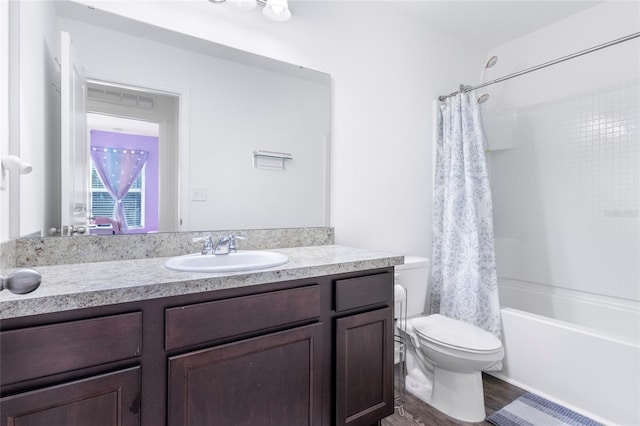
x: 274, y: 10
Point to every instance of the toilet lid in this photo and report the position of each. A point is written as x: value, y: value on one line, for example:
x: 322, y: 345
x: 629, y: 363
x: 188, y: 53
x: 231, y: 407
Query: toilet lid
x: 456, y: 334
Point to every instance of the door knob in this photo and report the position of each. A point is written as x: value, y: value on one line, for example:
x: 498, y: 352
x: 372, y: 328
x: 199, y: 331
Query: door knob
x: 78, y: 229
x: 21, y: 281
x: 68, y: 230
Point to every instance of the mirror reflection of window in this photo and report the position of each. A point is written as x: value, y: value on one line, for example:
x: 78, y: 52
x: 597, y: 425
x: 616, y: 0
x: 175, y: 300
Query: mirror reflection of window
x: 102, y: 204
x: 140, y: 200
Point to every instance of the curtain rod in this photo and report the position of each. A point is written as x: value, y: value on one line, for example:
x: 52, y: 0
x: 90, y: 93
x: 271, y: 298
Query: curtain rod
x: 465, y: 89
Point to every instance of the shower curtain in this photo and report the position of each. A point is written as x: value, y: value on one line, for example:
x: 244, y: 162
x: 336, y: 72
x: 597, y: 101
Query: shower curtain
x: 464, y: 281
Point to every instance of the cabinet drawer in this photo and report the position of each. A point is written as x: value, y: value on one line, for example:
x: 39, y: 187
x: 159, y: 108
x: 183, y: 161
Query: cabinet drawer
x: 34, y: 352
x: 207, y: 322
x: 364, y: 291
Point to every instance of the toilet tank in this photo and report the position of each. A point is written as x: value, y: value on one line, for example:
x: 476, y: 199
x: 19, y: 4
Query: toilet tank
x: 413, y: 275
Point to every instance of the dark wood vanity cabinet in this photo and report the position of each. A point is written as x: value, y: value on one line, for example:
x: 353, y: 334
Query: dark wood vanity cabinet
x: 306, y: 352
x: 363, y: 349
x: 110, y: 399
x: 43, y: 359
x: 364, y: 367
x: 270, y: 379
x: 267, y: 380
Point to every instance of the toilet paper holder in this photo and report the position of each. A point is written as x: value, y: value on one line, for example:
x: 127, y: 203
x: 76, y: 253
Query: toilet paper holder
x: 399, y: 348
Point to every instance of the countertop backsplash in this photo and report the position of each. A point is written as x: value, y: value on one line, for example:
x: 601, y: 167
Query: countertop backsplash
x: 29, y: 252
x: 7, y: 255
x: 82, y: 285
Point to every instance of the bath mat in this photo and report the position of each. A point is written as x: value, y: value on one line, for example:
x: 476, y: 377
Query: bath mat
x: 532, y: 410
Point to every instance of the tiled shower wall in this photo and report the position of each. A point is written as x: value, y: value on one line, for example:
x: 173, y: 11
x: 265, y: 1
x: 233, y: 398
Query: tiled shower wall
x: 566, y: 189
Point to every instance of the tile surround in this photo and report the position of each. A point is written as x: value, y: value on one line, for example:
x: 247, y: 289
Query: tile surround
x: 566, y: 196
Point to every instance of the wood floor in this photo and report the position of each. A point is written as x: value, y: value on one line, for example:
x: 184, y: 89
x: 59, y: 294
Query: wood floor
x: 497, y: 394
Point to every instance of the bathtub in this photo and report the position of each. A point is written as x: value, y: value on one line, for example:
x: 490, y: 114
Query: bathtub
x: 579, y: 350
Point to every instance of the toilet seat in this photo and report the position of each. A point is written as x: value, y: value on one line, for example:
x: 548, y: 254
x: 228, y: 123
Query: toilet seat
x: 455, y: 334
x: 444, y: 357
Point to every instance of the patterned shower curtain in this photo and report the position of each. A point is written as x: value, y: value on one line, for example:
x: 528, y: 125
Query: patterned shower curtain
x: 464, y: 281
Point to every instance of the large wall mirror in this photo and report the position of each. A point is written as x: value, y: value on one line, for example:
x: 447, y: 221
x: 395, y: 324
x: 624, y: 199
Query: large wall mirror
x: 228, y: 139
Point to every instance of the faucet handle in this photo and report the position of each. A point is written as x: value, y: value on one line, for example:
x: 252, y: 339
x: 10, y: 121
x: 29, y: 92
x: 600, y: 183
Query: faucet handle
x: 232, y: 242
x: 208, y: 244
x: 204, y: 239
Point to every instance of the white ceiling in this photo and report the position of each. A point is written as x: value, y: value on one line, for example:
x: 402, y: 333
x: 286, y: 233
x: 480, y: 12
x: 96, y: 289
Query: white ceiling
x: 490, y: 24
x: 484, y: 23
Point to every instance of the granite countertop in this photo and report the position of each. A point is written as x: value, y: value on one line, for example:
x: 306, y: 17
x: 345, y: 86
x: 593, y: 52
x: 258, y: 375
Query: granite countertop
x: 83, y: 285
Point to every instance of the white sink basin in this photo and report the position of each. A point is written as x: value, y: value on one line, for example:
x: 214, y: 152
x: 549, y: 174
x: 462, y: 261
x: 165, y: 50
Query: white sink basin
x: 242, y: 260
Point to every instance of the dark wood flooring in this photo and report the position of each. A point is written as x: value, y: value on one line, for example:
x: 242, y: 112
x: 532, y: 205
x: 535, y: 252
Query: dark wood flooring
x: 497, y: 394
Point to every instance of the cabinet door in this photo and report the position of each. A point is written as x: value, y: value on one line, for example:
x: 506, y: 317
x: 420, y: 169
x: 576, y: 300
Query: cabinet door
x: 268, y: 380
x: 364, y: 367
x: 108, y: 400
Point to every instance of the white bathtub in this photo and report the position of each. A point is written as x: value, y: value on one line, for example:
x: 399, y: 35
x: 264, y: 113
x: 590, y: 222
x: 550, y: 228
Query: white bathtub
x: 582, y: 351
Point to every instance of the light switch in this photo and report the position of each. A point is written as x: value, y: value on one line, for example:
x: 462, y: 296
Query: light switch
x: 198, y: 194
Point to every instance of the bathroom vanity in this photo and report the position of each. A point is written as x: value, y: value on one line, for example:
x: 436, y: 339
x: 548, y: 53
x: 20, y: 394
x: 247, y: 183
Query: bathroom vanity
x: 307, y: 343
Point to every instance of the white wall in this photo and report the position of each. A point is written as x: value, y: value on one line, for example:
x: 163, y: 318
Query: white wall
x: 567, y: 195
x: 39, y: 123
x: 386, y: 69
x: 4, y: 113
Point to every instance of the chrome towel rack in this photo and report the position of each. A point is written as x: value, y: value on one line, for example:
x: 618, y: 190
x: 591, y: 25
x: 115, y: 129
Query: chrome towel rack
x: 279, y: 157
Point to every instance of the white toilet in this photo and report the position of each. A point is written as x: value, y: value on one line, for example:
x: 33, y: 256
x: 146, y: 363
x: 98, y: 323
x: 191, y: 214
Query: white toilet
x: 445, y: 357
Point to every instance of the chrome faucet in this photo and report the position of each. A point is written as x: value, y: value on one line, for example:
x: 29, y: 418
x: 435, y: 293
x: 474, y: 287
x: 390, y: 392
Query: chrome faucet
x: 227, y: 244
x: 208, y: 244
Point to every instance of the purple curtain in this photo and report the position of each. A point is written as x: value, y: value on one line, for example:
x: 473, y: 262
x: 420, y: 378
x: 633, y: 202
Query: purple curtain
x: 118, y: 169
